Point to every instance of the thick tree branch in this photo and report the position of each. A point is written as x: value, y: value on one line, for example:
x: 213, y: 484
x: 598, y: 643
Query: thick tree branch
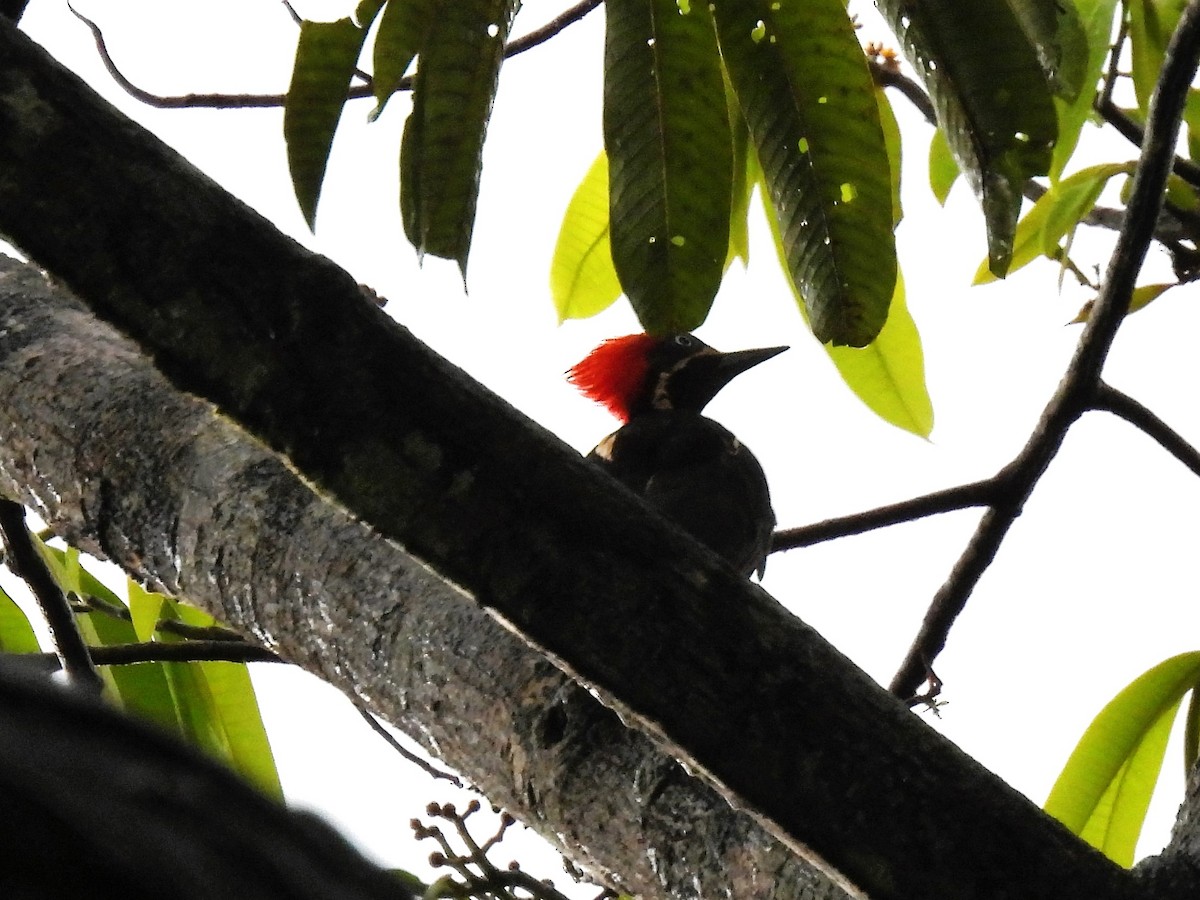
x: 1077, y: 391
x: 23, y: 558
x: 490, y: 510
x: 188, y: 829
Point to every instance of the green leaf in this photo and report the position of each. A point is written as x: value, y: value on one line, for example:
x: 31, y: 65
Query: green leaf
x: 745, y: 177
x: 140, y: 690
x: 1097, y: 20
x: 888, y: 375
x: 1056, y: 33
x: 1057, y: 212
x: 1151, y: 24
x: 16, y: 634
x: 1104, y: 789
x: 804, y: 87
x: 670, y: 153
x: 218, y: 708
x: 1191, y: 732
x: 1191, y: 118
x: 145, y: 607
x: 402, y: 32
x: 991, y: 97
x: 325, y: 58
x: 583, y: 281
x: 1145, y: 294
x: 441, y: 154
x: 943, y: 170
x: 892, y: 143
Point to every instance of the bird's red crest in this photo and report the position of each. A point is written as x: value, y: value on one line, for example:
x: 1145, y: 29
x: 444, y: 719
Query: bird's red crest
x: 614, y: 372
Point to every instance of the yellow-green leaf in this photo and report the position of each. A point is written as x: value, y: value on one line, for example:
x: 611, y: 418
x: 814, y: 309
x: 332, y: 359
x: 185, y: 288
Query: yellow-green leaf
x: 140, y: 690
x: 1056, y: 212
x: 16, y: 633
x: 218, y: 707
x: 1097, y: 19
x: 1143, y: 295
x: 583, y: 281
x: 894, y: 146
x: 943, y: 170
x: 1105, y: 787
x: 1151, y: 24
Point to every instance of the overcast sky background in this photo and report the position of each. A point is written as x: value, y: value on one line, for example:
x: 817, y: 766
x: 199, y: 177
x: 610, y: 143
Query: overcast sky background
x: 1095, y: 584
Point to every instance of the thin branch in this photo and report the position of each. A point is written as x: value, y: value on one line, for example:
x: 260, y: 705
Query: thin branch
x: 964, y: 496
x: 182, y: 629
x: 27, y: 563
x: 889, y: 76
x: 513, y: 48
x: 184, y: 651
x: 1109, y: 399
x: 1132, y: 132
x: 429, y: 769
x: 1080, y: 384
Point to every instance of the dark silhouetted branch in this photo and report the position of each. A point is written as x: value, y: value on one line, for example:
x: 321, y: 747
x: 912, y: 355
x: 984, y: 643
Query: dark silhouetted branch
x: 514, y: 47
x: 1081, y: 383
x: 25, y: 561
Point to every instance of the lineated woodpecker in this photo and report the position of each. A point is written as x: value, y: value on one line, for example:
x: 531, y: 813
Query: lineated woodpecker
x: 686, y: 465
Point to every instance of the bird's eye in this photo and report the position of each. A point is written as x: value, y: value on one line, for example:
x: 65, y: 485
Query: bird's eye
x: 684, y: 340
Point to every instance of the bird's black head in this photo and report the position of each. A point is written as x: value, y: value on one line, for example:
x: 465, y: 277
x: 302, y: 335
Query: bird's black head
x: 639, y: 373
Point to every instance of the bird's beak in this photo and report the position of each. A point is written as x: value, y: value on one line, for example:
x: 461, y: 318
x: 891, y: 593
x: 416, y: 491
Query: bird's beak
x: 733, y: 364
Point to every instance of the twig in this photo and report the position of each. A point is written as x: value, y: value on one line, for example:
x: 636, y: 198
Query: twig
x: 887, y: 76
x: 977, y: 493
x: 513, y: 48
x: 1078, y: 389
x: 489, y: 880
x: 1132, y: 132
x: 430, y: 770
x: 25, y: 561
x: 182, y: 629
x: 184, y: 651
x: 1109, y: 399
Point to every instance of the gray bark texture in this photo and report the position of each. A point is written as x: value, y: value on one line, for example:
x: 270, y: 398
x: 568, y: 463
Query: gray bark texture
x: 498, y: 574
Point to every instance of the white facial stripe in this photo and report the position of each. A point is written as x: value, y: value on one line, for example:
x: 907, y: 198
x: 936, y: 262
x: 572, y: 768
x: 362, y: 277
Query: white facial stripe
x: 604, y: 449
x: 661, y: 399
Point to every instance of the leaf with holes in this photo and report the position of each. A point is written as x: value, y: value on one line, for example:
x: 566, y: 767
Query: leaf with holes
x: 888, y: 375
x: 670, y: 159
x: 992, y: 99
x: 441, y: 154
x: 1056, y: 32
x: 806, y: 93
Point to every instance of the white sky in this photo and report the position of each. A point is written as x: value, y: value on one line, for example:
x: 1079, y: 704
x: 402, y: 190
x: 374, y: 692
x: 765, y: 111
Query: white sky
x: 1097, y: 581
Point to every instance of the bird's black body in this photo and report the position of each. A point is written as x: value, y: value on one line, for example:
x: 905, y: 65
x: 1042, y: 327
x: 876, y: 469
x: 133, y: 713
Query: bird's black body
x: 687, y: 466
x: 699, y: 475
